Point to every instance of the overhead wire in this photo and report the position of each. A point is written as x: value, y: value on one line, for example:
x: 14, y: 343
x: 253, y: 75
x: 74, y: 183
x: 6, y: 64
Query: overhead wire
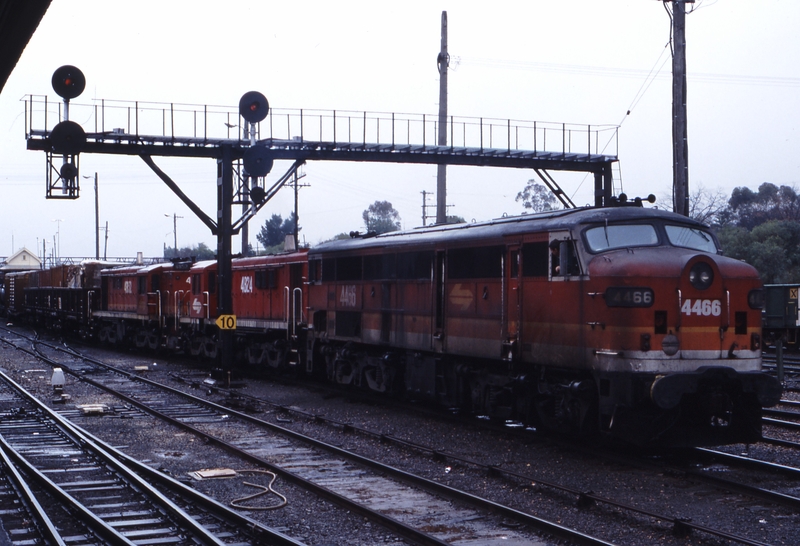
x: 646, y: 83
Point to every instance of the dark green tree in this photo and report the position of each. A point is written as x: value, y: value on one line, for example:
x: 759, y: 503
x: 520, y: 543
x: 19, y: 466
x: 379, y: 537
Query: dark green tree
x: 339, y: 237
x: 773, y: 248
x: 199, y: 252
x: 453, y: 219
x: 537, y: 197
x: 750, y: 209
x: 274, y: 231
x: 381, y: 217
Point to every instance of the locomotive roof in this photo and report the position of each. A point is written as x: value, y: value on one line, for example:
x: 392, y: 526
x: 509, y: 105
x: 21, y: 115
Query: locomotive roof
x: 506, y: 226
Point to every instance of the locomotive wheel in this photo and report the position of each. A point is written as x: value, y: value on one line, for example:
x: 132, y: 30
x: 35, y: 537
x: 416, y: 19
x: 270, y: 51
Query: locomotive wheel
x: 196, y: 346
x: 381, y: 378
x: 153, y: 340
x: 574, y: 408
x: 141, y: 339
x: 254, y: 354
x: 210, y: 348
x: 344, y: 372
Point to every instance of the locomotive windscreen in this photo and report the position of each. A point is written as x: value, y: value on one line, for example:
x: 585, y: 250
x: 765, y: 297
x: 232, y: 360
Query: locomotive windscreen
x: 621, y: 236
x: 691, y: 238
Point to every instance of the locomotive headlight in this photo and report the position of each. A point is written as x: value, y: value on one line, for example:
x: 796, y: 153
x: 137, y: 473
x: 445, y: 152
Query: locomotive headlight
x: 756, y: 298
x: 701, y: 275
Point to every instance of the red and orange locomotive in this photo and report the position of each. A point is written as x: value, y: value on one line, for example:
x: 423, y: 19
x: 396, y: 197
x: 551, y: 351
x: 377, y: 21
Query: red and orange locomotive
x: 622, y: 321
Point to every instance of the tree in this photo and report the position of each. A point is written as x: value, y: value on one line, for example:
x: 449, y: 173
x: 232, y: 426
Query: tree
x: 274, y: 231
x: 381, y: 217
x: 707, y: 206
x: 750, y: 209
x: 773, y: 248
x: 199, y: 252
x: 339, y: 237
x: 537, y: 197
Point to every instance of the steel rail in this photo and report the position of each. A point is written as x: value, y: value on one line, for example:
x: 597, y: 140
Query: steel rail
x: 200, y: 532
x: 43, y: 522
x: 680, y: 525
x: 391, y: 523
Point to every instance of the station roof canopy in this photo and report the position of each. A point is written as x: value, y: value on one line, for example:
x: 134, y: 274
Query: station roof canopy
x: 18, y: 21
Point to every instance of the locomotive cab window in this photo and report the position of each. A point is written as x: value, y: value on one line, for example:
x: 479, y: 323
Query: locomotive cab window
x: 609, y: 237
x: 689, y: 237
x: 563, y: 259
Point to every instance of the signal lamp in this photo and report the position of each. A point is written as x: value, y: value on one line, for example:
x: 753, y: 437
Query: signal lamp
x: 253, y: 107
x: 67, y: 138
x: 257, y: 195
x: 68, y: 81
x: 257, y: 161
x: 68, y: 171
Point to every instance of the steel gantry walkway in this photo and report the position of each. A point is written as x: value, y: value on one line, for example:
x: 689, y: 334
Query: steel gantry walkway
x: 185, y: 130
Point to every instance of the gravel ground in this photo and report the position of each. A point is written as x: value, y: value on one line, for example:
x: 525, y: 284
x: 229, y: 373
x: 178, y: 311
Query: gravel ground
x: 317, y: 522
x: 306, y: 518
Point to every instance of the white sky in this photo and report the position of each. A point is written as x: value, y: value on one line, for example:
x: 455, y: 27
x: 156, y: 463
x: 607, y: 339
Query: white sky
x: 574, y: 61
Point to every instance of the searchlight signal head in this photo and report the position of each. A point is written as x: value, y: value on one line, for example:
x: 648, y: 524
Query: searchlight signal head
x: 257, y: 161
x: 253, y: 107
x: 68, y: 81
x: 258, y: 194
x: 67, y: 138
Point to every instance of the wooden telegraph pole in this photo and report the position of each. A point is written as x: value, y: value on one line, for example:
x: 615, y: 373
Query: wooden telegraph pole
x: 680, y: 146
x: 442, y: 61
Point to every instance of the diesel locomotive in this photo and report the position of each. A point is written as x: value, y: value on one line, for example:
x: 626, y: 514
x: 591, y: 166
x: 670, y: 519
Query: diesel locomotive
x: 623, y: 321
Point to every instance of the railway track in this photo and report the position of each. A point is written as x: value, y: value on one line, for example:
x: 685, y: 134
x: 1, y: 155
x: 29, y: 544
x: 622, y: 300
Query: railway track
x: 110, y: 497
x: 680, y: 525
x: 420, y: 510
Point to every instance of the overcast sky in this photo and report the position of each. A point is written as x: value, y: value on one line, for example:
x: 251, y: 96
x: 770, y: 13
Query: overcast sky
x: 573, y: 61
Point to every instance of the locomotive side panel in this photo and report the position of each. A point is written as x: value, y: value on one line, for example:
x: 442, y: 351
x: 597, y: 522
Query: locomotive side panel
x: 121, y: 286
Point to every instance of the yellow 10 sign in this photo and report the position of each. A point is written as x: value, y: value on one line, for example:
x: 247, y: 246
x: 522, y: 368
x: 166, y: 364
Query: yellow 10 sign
x: 226, y: 322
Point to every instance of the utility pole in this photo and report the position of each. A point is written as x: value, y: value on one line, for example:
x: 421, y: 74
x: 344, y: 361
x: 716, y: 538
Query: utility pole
x: 296, y: 184
x: 57, y: 245
x: 680, y: 145
x: 175, y: 230
x: 96, y: 219
x: 105, y: 248
x: 442, y: 61
x: 426, y: 206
